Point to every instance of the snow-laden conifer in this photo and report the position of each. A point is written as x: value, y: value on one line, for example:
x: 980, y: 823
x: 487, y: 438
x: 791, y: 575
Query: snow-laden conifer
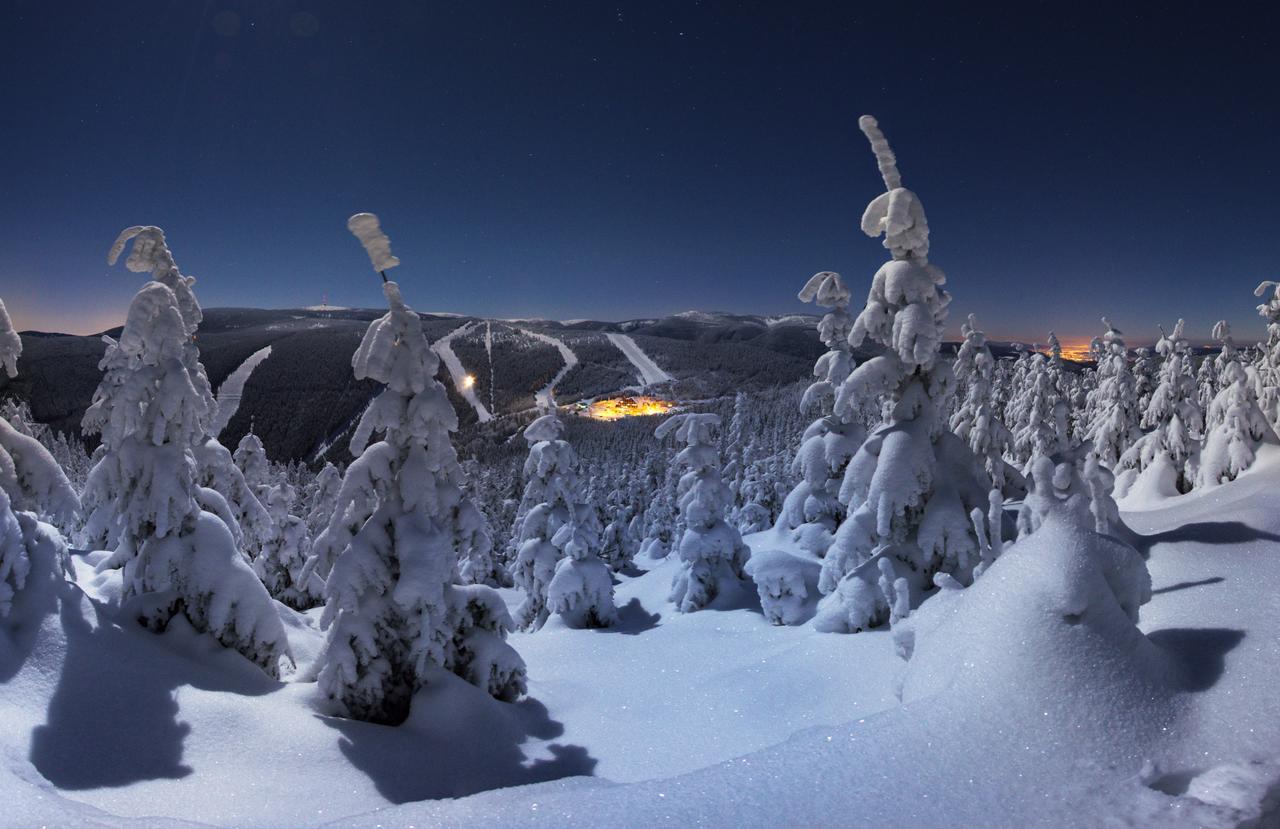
x: 1044, y: 414
x: 556, y: 565
x: 974, y: 421
x: 1113, y: 406
x: 152, y: 410
x: 1164, y: 460
x: 281, y: 560
x: 251, y: 459
x: 32, y: 486
x: 1073, y: 486
x: 712, y: 555
x: 10, y: 343
x: 1267, y: 364
x: 812, y: 511
x: 1235, y: 424
x: 324, y: 498
x: 395, y: 612
x: 912, y: 484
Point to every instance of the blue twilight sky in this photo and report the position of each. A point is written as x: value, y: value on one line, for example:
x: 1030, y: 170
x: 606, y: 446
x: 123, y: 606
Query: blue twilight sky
x: 614, y: 160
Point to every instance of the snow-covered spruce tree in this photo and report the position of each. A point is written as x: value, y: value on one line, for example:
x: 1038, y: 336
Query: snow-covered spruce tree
x: 912, y: 484
x: 32, y: 485
x: 618, y: 543
x: 1207, y: 383
x: 1146, y: 374
x: 1236, y: 425
x: 974, y: 421
x: 1267, y: 365
x: 10, y: 343
x: 152, y: 409
x: 1165, y: 458
x: 281, y: 561
x: 735, y: 447
x: 251, y: 459
x: 395, y: 612
x: 556, y: 565
x: 712, y: 555
x: 1072, y: 485
x: 324, y: 498
x: 1113, y: 405
x: 1044, y: 414
x: 812, y: 511
x: 1227, y: 354
x: 247, y: 518
x: 660, y: 515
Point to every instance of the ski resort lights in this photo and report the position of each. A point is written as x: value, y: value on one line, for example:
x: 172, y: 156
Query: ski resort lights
x: 468, y: 381
x: 616, y: 408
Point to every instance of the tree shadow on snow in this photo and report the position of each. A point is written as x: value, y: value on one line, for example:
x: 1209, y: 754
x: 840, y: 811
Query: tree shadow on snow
x: 459, y: 741
x: 1184, y: 585
x: 113, y: 718
x: 633, y: 619
x: 1200, y: 653
x: 1203, y: 532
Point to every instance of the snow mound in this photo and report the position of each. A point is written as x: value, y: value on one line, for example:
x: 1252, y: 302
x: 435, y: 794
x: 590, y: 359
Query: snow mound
x: 1079, y: 666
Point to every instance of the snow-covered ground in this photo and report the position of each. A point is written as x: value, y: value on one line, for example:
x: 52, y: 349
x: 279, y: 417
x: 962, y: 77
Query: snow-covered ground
x: 444, y: 348
x: 650, y: 373
x: 712, y: 718
x: 232, y: 389
x: 546, y: 395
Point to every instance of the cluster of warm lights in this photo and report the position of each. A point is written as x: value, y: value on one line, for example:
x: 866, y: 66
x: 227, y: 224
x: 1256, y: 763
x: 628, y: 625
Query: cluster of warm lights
x: 616, y: 408
x: 468, y: 381
x: 1077, y: 351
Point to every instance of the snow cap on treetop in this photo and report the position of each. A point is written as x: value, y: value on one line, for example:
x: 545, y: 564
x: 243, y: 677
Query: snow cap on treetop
x: 366, y: 228
x: 827, y: 289
x: 885, y: 159
x: 150, y: 253
x: 547, y: 427
x: 896, y: 213
x: 10, y: 343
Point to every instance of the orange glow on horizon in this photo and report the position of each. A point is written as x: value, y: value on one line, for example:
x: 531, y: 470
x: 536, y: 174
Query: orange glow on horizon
x: 1077, y: 350
x: 616, y: 408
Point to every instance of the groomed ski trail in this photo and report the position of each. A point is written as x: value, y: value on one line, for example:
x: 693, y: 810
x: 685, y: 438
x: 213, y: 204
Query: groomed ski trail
x: 232, y: 389
x: 650, y: 373
x: 546, y: 396
x: 443, y: 347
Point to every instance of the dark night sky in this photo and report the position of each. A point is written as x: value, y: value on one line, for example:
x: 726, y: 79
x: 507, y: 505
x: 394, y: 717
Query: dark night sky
x: 619, y: 160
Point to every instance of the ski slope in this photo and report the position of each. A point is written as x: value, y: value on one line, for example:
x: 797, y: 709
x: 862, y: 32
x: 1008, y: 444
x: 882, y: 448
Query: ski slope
x: 650, y: 373
x: 546, y: 395
x: 232, y: 389
x: 444, y: 348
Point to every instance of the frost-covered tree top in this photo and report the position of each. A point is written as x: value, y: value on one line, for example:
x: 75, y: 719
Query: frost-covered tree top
x: 897, y: 213
x: 366, y: 228
x: 150, y: 254
x: 906, y: 307
x: 10, y: 343
x: 546, y: 427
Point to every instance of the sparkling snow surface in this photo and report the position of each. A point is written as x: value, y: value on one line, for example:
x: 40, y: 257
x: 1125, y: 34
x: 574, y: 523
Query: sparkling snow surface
x: 713, y: 718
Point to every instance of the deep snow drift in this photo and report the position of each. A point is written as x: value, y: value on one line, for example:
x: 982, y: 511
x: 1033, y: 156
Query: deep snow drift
x: 715, y: 718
